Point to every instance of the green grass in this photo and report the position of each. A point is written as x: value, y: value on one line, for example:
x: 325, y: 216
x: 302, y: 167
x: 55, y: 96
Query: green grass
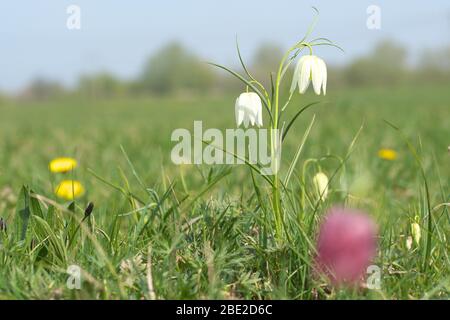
x: 208, y: 230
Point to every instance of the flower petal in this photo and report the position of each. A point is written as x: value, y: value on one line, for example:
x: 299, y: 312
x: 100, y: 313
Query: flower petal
x: 316, y: 74
x: 323, y: 70
x: 305, y: 74
x: 239, y: 113
x: 257, y: 108
x: 296, y: 75
x: 259, y: 121
x: 246, y: 120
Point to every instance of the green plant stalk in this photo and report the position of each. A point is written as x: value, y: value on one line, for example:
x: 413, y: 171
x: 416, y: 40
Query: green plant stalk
x: 276, y: 197
x: 277, y: 206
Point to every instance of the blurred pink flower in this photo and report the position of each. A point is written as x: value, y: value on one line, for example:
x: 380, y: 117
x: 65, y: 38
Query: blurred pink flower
x: 346, y: 245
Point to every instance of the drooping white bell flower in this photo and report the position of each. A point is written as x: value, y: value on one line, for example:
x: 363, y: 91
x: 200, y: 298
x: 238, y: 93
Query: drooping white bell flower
x: 320, y: 181
x: 248, y: 109
x: 310, y: 68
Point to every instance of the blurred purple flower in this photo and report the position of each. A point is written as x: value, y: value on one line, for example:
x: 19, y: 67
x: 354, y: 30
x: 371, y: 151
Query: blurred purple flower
x: 346, y: 245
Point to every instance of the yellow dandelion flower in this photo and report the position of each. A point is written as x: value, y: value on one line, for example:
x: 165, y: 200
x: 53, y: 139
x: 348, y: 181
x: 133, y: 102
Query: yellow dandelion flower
x: 387, y: 154
x: 62, y: 165
x: 69, y: 189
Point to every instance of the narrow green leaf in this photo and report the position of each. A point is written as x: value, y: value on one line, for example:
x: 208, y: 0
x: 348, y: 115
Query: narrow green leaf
x: 299, y: 151
x: 295, y: 118
x: 242, y: 61
x: 23, y: 211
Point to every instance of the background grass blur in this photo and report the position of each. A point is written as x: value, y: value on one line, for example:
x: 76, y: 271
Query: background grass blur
x: 92, y: 131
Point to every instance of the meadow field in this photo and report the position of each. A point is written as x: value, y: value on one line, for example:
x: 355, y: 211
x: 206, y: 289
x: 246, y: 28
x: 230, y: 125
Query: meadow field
x: 200, y: 232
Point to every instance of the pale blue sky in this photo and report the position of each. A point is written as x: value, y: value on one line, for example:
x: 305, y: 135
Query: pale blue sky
x: 119, y: 35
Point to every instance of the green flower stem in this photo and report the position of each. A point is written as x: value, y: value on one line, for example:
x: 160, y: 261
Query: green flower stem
x: 276, y: 197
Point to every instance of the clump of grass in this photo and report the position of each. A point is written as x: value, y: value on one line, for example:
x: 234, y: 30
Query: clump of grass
x: 208, y: 246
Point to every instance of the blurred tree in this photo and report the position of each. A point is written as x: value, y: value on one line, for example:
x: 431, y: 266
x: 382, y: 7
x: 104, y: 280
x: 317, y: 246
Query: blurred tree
x: 386, y: 65
x: 42, y: 89
x: 102, y: 85
x: 434, y: 66
x: 173, y: 69
x: 266, y: 60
